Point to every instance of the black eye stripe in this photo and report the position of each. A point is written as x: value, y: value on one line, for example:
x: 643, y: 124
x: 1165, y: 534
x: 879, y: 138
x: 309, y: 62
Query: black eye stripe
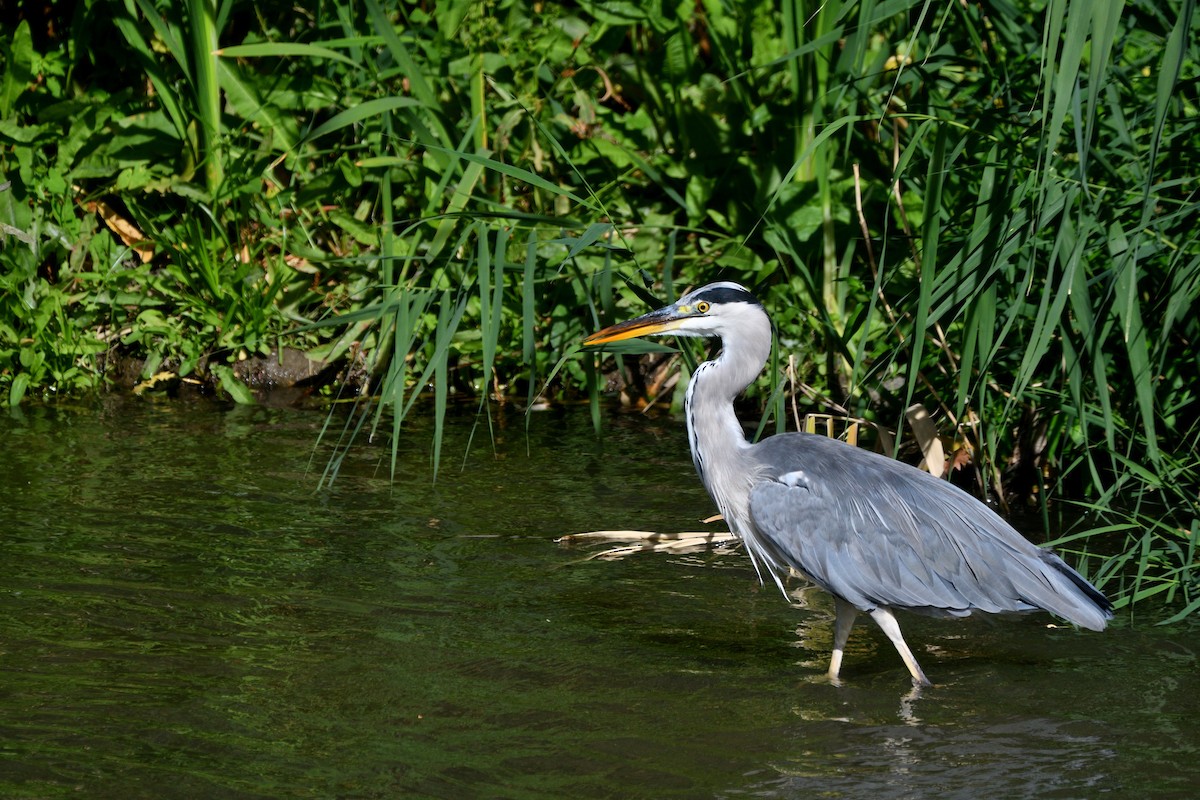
x: 727, y: 294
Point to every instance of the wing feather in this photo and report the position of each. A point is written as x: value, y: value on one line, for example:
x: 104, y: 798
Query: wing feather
x: 874, y: 532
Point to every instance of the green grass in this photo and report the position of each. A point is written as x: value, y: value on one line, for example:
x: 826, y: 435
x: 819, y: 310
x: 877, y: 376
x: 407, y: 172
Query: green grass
x: 986, y: 208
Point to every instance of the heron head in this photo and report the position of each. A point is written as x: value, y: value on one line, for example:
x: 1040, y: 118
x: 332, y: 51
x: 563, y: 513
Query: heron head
x: 718, y: 309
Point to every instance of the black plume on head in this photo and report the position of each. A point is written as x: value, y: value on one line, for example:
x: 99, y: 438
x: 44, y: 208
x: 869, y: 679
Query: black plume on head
x: 726, y: 293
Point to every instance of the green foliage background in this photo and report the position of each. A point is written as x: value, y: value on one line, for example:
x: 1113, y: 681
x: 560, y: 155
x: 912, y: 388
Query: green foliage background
x: 986, y: 207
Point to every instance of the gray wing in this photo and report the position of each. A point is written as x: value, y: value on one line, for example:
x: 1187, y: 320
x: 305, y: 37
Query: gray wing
x: 874, y: 532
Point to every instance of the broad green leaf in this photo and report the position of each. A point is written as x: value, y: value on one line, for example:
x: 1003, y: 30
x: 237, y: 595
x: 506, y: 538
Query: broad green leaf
x: 16, y: 57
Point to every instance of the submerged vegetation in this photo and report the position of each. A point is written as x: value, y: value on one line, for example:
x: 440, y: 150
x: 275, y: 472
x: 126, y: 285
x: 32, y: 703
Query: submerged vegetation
x: 987, y: 208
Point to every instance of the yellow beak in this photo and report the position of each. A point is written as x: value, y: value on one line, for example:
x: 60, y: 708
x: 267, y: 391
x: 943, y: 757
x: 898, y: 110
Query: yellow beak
x: 663, y: 320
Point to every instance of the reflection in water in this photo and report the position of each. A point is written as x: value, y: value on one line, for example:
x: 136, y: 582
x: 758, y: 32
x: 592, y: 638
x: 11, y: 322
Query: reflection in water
x: 1033, y: 757
x: 180, y: 615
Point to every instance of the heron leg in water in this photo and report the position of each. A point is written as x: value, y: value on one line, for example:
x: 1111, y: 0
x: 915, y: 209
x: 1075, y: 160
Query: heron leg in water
x: 846, y: 613
x: 886, y: 620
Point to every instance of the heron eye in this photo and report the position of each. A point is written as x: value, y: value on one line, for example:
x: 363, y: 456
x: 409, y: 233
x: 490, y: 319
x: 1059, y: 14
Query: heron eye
x: 702, y: 307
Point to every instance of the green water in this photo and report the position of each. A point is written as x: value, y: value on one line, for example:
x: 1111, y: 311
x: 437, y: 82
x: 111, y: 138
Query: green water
x: 183, y: 615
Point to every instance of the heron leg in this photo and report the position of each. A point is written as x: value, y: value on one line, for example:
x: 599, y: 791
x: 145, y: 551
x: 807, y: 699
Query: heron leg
x: 886, y: 621
x: 841, y: 632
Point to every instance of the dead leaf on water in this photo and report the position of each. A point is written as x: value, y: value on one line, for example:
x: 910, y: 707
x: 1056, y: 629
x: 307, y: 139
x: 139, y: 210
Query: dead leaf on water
x: 153, y: 381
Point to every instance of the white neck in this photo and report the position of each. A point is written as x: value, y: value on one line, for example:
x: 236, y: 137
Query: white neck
x: 717, y: 440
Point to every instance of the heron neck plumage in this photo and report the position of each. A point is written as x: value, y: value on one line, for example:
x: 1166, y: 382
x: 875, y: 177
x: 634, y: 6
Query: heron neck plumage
x: 711, y: 392
x: 718, y: 443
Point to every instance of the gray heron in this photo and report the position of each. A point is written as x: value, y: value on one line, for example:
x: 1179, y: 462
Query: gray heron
x: 875, y: 533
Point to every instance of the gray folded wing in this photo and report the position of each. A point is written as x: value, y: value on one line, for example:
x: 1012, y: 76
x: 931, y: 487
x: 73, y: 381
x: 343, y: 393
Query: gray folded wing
x: 877, y: 532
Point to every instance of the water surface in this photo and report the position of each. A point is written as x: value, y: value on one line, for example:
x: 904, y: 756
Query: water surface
x: 182, y: 614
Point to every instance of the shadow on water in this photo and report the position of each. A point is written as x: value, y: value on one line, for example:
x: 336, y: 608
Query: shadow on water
x: 182, y: 616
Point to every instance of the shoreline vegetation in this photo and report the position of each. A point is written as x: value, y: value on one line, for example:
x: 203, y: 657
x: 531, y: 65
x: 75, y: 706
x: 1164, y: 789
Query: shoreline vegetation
x: 983, y: 209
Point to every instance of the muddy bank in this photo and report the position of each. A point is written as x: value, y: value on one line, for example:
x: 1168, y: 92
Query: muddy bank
x: 283, y: 374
